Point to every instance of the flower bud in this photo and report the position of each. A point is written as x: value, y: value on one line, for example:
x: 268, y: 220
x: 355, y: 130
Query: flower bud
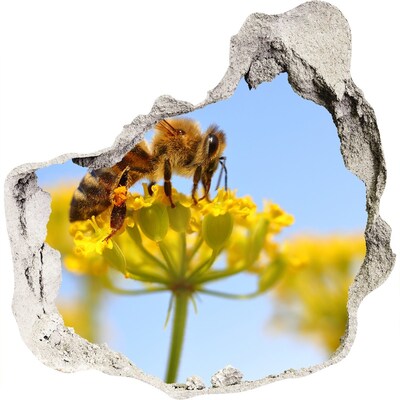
x: 134, y: 234
x: 115, y: 258
x: 154, y: 221
x: 257, y: 240
x: 271, y: 275
x: 217, y: 229
x: 179, y: 217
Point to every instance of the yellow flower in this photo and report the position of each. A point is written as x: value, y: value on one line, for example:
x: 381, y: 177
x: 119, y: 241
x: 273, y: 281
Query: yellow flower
x: 160, y: 244
x: 58, y: 225
x: 94, y: 265
x: 276, y: 217
x: 136, y: 202
x: 237, y: 248
x: 80, y: 313
x: 179, y: 217
x: 77, y: 317
x: 217, y: 229
x: 226, y: 201
x: 90, y: 238
x: 154, y: 221
x: 312, y: 295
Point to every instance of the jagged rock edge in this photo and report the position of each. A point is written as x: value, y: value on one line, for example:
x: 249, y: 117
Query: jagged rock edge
x: 31, y: 261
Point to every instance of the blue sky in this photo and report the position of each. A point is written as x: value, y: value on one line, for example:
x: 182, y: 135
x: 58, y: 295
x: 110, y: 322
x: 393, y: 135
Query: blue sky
x: 281, y: 148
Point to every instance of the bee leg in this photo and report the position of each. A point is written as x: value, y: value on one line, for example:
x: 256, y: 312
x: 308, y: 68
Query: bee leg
x: 150, y: 187
x: 118, y: 199
x: 196, y: 180
x: 206, y: 181
x: 118, y: 215
x: 167, y: 181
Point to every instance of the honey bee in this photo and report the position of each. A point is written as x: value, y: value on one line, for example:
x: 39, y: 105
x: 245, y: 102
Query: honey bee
x: 178, y: 147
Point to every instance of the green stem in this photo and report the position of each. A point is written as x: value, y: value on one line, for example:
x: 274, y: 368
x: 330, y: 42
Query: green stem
x: 167, y: 257
x: 135, y: 235
x: 205, y: 266
x: 153, y: 258
x: 229, y: 295
x: 171, y: 303
x: 184, y: 258
x: 92, y: 298
x: 145, y: 274
x: 196, y: 247
x: 146, y: 277
x: 181, y: 300
x: 218, y: 274
x: 108, y: 284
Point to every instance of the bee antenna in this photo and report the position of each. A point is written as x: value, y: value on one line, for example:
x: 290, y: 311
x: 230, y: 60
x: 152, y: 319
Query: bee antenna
x: 222, y: 161
x: 166, y: 125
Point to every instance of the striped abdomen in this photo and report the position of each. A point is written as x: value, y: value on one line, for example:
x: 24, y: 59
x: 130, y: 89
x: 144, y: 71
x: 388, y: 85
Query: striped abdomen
x: 93, y: 194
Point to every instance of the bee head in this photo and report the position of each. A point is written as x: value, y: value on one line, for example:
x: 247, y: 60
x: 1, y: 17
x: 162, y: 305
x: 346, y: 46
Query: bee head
x: 213, y: 147
x: 214, y: 143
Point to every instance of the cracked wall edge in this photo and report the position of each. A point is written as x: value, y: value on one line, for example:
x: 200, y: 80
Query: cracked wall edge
x: 265, y: 46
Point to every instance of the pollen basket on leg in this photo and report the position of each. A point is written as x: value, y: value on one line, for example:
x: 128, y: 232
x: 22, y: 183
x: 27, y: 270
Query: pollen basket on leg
x: 120, y: 195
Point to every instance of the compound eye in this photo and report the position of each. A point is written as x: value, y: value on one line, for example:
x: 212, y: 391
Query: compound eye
x: 213, y: 144
x: 180, y: 131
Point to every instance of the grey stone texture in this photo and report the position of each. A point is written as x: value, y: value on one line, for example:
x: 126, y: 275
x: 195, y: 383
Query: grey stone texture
x: 227, y: 376
x: 312, y: 43
x: 194, y: 383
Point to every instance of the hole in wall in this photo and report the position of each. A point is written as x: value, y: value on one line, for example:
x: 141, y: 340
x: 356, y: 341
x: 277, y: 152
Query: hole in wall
x: 280, y: 148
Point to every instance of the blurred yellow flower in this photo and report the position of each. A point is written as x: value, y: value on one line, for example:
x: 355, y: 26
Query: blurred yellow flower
x: 311, y: 297
x: 58, y: 226
x: 81, y: 312
x: 81, y: 253
x: 276, y: 217
x: 78, y: 317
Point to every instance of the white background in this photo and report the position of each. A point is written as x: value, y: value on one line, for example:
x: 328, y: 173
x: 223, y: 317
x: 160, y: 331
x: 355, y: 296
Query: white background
x: 72, y: 73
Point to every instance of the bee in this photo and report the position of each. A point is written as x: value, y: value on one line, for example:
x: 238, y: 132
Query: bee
x: 178, y: 147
